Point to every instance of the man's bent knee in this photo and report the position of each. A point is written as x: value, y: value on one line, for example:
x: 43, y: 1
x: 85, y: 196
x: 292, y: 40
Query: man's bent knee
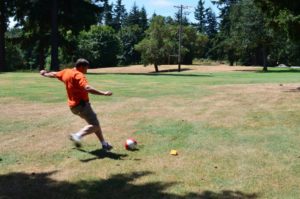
x: 92, y: 128
x: 95, y: 128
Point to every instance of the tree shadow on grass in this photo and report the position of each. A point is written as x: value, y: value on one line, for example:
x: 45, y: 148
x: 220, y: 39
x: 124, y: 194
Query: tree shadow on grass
x: 291, y: 70
x: 160, y: 73
x: 292, y: 90
x: 288, y: 70
x: 41, y: 185
x: 249, y: 70
x: 101, y: 154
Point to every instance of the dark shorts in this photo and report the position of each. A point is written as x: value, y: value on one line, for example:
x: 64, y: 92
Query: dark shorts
x: 86, y: 112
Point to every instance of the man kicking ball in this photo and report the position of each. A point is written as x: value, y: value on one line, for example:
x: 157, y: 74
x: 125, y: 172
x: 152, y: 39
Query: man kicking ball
x: 77, y: 90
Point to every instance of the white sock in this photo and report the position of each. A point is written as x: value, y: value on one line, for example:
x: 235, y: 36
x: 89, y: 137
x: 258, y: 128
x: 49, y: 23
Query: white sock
x: 104, y: 143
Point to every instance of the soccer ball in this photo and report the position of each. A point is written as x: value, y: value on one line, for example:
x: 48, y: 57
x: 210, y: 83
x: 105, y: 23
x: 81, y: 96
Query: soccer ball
x: 130, y: 144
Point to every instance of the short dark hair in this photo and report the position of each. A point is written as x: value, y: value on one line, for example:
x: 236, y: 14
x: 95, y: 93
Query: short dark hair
x: 82, y: 62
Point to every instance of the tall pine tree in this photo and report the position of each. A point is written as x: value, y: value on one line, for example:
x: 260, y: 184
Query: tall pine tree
x: 224, y: 44
x: 200, y: 16
x: 143, y: 19
x: 6, y: 10
x: 3, y: 26
x: 54, y: 36
x: 211, y: 23
x: 119, y: 15
x: 133, y: 17
x: 184, y: 20
x: 107, y: 13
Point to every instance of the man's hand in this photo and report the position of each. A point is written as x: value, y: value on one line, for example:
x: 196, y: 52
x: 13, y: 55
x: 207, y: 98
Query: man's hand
x: 107, y: 93
x: 43, y: 72
x: 48, y: 74
x: 94, y: 91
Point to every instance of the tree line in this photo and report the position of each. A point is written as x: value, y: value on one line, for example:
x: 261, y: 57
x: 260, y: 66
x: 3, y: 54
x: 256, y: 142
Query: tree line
x: 53, y: 33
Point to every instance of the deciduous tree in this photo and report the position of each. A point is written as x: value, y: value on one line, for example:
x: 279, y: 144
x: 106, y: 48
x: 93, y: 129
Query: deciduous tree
x: 155, y: 47
x: 100, y: 45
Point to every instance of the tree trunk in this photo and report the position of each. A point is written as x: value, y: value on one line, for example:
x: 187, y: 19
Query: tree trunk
x: 231, y: 57
x: 54, y: 37
x: 156, y: 68
x: 41, y: 56
x: 264, y: 54
x: 2, y: 35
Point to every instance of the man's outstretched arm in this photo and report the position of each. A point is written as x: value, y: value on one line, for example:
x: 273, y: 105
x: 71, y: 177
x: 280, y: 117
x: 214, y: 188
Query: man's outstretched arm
x: 48, y: 74
x: 94, y: 91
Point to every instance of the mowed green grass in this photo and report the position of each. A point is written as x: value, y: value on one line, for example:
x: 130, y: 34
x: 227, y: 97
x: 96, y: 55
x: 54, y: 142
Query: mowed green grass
x: 236, y: 133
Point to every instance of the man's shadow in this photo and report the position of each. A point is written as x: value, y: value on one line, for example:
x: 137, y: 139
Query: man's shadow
x: 101, y: 154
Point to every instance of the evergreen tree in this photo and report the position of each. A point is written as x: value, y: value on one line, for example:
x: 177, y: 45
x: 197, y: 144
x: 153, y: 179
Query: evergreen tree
x: 224, y: 45
x: 212, y: 24
x: 119, y: 15
x: 54, y: 36
x: 136, y: 23
x: 252, y: 38
x: 200, y: 16
x: 211, y: 32
x: 3, y: 26
x: 153, y: 16
x: 143, y: 19
x: 133, y: 17
x: 184, y: 20
x: 225, y: 7
x: 6, y: 11
x: 107, y: 14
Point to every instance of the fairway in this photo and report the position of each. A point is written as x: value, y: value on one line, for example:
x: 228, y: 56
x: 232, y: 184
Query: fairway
x: 236, y: 130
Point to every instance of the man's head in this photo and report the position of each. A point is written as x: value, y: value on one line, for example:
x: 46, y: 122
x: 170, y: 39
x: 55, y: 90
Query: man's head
x: 82, y: 65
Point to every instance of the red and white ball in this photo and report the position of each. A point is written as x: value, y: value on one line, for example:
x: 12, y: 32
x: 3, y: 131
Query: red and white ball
x: 130, y: 144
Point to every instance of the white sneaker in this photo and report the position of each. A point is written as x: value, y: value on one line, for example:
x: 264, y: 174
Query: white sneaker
x: 76, y: 139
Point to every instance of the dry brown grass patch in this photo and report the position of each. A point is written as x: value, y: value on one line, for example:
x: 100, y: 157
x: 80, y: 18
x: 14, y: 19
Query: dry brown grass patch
x: 165, y: 68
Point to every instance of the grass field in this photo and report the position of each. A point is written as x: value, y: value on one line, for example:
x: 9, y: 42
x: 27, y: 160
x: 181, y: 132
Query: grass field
x: 237, y: 134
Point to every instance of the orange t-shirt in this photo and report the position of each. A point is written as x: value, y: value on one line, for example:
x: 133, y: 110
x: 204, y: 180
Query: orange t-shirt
x: 75, y: 83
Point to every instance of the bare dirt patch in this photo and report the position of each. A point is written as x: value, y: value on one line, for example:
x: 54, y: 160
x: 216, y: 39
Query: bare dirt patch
x: 173, y: 68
